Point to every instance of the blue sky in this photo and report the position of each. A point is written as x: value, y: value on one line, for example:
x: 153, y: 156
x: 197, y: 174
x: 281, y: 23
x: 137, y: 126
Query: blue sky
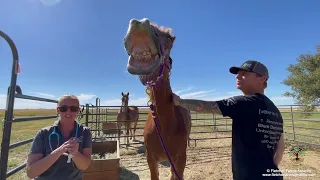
x: 76, y: 46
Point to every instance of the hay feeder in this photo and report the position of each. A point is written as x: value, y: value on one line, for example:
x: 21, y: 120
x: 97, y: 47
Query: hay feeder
x: 104, y: 168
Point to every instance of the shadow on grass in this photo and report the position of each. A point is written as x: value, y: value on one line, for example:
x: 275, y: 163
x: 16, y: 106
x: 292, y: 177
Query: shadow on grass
x: 126, y: 174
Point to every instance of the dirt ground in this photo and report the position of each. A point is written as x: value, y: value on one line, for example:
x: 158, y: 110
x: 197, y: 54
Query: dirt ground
x: 202, y: 163
x: 211, y: 160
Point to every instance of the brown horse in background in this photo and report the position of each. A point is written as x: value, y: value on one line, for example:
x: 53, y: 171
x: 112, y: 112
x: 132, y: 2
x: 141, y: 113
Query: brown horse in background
x: 148, y: 47
x: 127, y: 116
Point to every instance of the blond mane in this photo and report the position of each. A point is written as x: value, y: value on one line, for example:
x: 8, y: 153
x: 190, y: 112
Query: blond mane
x: 162, y: 28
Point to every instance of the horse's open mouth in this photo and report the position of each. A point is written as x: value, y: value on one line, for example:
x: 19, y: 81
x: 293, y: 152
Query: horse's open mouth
x: 141, y: 46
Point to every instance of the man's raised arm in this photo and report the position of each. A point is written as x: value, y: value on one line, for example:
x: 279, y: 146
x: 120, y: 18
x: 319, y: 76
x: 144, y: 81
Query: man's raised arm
x: 197, y: 105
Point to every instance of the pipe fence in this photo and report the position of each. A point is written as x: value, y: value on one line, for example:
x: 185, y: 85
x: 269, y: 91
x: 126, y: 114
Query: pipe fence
x: 206, y: 126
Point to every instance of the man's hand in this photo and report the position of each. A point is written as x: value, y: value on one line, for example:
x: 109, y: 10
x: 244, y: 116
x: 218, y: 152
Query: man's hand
x: 176, y: 99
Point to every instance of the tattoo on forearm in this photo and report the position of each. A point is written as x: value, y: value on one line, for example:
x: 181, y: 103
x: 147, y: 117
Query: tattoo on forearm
x: 200, y: 106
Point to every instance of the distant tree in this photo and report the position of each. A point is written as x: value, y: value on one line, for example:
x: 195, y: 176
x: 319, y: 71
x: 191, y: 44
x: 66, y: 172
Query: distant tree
x: 304, y: 80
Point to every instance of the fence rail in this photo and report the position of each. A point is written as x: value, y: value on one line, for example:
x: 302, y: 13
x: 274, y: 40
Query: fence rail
x: 5, y: 147
x: 109, y: 113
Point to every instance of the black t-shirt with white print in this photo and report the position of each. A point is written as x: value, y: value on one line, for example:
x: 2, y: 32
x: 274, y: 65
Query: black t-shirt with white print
x: 257, y: 125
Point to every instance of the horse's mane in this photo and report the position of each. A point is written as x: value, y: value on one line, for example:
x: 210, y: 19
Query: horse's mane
x: 162, y: 28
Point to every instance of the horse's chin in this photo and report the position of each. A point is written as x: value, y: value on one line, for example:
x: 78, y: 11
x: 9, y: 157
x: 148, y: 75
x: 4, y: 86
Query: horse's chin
x: 151, y: 77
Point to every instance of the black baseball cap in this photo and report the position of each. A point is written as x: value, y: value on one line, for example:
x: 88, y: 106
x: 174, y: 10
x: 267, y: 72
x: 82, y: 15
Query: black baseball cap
x: 251, y: 66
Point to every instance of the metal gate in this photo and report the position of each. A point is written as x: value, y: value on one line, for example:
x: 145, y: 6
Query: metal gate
x: 15, y: 91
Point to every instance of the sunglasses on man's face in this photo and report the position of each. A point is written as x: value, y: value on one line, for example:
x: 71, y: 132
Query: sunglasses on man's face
x: 65, y: 108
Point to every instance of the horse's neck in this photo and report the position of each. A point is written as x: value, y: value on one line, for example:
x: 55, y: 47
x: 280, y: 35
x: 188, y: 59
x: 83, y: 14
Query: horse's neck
x: 164, y: 107
x: 124, y: 108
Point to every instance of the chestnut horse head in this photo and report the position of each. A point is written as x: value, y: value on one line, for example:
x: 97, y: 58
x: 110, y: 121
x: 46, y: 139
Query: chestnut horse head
x: 148, y: 47
x: 124, y: 102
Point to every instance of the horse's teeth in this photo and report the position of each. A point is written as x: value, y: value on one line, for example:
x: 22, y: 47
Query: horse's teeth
x: 144, y: 55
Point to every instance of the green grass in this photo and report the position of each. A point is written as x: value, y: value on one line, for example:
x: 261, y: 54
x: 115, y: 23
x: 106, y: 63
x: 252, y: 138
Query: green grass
x: 25, y: 130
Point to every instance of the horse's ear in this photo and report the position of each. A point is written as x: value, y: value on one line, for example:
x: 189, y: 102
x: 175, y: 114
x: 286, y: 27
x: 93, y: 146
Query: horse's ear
x: 122, y: 93
x: 173, y: 38
x: 128, y: 93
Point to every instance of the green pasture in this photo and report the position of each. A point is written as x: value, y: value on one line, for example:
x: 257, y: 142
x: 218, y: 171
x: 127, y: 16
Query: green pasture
x: 26, y: 130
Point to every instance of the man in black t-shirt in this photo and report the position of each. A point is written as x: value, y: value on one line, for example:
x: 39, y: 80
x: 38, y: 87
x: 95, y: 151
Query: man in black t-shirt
x: 257, y: 124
